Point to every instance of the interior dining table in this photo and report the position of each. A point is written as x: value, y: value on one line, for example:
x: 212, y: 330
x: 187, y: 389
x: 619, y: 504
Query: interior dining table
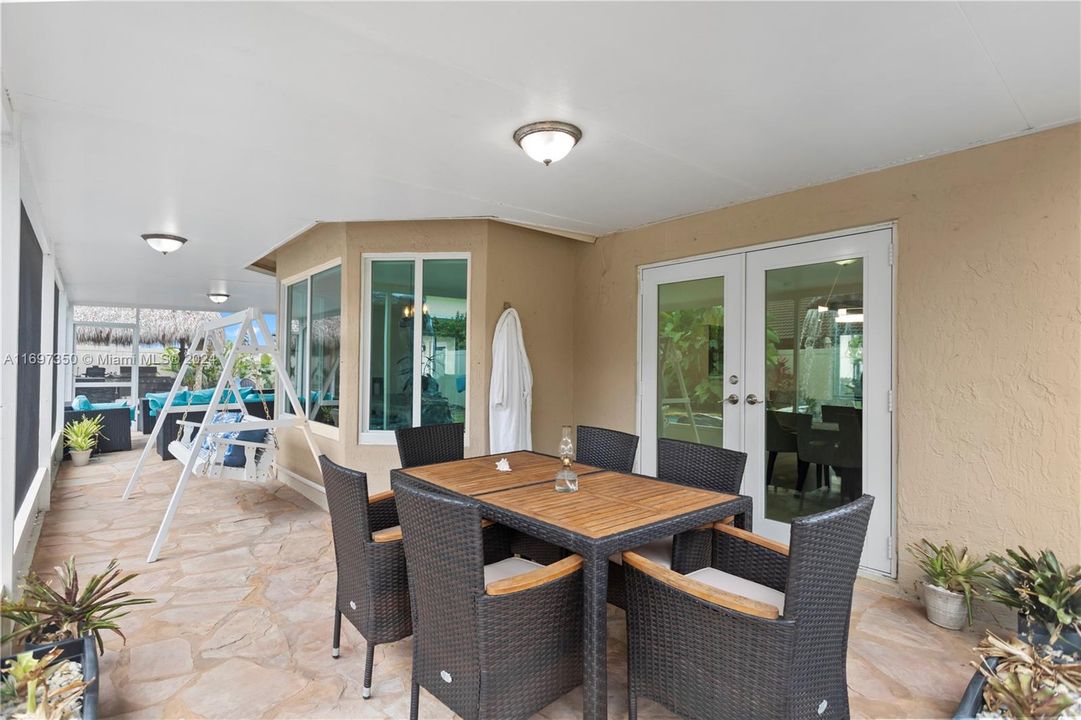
x: 611, y: 512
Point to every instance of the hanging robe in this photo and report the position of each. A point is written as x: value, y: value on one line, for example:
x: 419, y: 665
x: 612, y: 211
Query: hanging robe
x: 510, y: 404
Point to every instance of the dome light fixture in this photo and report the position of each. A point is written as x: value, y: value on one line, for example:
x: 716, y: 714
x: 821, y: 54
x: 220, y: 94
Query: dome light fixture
x: 163, y: 243
x: 549, y: 141
x: 218, y: 297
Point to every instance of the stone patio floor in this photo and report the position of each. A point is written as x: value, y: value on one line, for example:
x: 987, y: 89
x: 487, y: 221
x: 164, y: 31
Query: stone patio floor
x: 245, y: 586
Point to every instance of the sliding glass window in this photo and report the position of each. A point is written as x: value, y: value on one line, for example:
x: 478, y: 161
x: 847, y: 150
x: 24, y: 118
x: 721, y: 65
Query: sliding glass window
x: 415, y: 343
x: 314, y: 343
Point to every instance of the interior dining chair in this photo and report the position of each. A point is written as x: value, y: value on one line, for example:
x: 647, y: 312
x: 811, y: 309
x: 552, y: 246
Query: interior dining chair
x: 429, y: 444
x: 372, y: 592
x: 694, y: 465
x: 607, y: 449
x: 499, y: 640
x: 763, y: 633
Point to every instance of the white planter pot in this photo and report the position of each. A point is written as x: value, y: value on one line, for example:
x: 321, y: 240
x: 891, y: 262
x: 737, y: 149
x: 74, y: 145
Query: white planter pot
x: 80, y: 457
x: 944, y: 608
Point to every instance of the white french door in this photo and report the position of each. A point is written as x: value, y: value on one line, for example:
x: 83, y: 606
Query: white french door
x: 784, y: 353
x: 689, y: 381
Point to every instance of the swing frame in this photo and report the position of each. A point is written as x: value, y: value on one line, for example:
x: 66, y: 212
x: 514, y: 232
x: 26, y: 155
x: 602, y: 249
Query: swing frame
x: 253, y: 338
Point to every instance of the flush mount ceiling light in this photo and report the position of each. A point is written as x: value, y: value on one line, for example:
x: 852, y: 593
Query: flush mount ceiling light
x: 549, y: 141
x: 218, y: 297
x: 163, y: 243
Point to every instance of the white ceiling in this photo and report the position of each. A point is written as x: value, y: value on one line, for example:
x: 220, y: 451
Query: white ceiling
x: 239, y: 124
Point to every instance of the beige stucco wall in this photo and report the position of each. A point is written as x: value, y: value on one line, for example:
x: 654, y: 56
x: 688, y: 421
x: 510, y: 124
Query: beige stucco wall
x: 534, y: 272
x: 531, y: 270
x: 988, y: 332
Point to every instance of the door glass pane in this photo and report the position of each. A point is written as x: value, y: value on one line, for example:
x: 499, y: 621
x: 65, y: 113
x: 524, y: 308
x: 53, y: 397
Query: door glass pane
x: 690, y: 361
x: 444, y: 307
x: 297, y: 312
x: 814, y: 387
x: 391, y: 345
x: 326, y: 346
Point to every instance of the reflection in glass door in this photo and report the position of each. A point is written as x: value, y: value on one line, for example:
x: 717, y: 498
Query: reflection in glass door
x: 819, y: 373
x: 692, y: 323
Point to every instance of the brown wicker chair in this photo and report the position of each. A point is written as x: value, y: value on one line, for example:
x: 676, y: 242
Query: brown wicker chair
x: 373, y: 592
x: 762, y: 634
x: 604, y: 448
x: 694, y: 465
x: 430, y: 444
x: 491, y: 641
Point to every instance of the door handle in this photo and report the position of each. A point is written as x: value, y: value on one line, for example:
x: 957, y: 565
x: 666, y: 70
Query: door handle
x: 732, y: 399
x: 752, y: 399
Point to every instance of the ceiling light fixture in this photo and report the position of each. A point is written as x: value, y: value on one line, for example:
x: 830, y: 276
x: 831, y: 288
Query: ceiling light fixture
x: 549, y: 141
x: 163, y: 243
x: 218, y: 297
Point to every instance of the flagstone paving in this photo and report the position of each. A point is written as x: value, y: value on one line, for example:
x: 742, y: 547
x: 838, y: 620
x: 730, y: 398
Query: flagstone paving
x: 245, y: 591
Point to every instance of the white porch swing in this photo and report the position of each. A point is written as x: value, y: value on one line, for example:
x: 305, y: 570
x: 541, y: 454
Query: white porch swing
x: 202, y: 446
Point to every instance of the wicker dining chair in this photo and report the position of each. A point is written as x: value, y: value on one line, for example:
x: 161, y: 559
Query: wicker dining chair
x: 429, y: 444
x: 373, y: 592
x: 763, y: 633
x: 694, y: 465
x: 604, y: 448
x: 501, y: 640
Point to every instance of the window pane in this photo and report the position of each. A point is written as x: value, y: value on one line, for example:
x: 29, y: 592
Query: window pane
x: 444, y: 358
x: 391, y: 337
x: 326, y: 346
x: 690, y: 362
x: 297, y: 314
x: 814, y: 387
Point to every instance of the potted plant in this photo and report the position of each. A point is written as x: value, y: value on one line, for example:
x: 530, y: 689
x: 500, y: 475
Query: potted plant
x: 951, y: 582
x: 1046, y: 595
x: 53, y: 682
x: 1014, y: 680
x: 81, y: 437
x: 44, y: 615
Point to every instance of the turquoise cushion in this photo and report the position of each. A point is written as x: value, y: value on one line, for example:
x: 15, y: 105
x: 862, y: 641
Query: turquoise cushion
x: 81, y: 402
x: 113, y: 406
x: 201, y: 397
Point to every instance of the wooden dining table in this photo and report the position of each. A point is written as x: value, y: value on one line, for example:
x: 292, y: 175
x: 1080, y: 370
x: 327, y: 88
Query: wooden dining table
x: 610, y: 513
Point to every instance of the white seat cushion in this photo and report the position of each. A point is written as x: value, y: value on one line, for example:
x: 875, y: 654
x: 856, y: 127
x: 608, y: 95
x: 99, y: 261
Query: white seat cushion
x: 658, y: 551
x: 739, y: 586
x: 508, y: 568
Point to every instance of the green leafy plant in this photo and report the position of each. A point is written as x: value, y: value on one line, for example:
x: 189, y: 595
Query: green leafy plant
x: 1024, y: 683
x: 83, y: 434
x: 1039, y: 587
x: 951, y: 570
x: 47, y: 615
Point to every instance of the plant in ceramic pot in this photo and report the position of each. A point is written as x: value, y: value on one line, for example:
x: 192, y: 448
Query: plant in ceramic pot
x: 53, y: 683
x: 1014, y: 680
x: 81, y: 437
x: 44, y: 615
x: 952, y: 581
x: 1046, y: 595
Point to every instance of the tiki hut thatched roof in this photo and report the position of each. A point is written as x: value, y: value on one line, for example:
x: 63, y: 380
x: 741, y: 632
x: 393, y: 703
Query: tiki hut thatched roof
x: 163, y: 327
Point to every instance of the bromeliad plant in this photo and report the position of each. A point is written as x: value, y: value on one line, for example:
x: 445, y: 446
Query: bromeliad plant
x: 45, y: 615
x: 1026, y: 684
x: 83, y: 434
x: 1038, y: 587
x: 41, y: 688
x: 951, y: 570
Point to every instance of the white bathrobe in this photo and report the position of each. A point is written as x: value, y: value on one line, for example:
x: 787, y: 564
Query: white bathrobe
x: 510, y: 404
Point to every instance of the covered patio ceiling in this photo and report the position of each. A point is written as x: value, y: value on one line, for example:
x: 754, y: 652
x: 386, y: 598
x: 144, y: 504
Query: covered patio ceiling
x: 239, y: 124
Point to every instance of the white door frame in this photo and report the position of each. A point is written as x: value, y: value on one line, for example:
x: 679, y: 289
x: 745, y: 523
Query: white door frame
x: 731, y: 269
x: 885, y: 508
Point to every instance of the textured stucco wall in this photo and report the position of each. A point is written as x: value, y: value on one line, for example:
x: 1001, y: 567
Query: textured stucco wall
x: 988, y: 332
x: 534, y: 272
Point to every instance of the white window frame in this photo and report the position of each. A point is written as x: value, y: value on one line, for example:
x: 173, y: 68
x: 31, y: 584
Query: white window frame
x: 386, y: 437
x: 319, y: 428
